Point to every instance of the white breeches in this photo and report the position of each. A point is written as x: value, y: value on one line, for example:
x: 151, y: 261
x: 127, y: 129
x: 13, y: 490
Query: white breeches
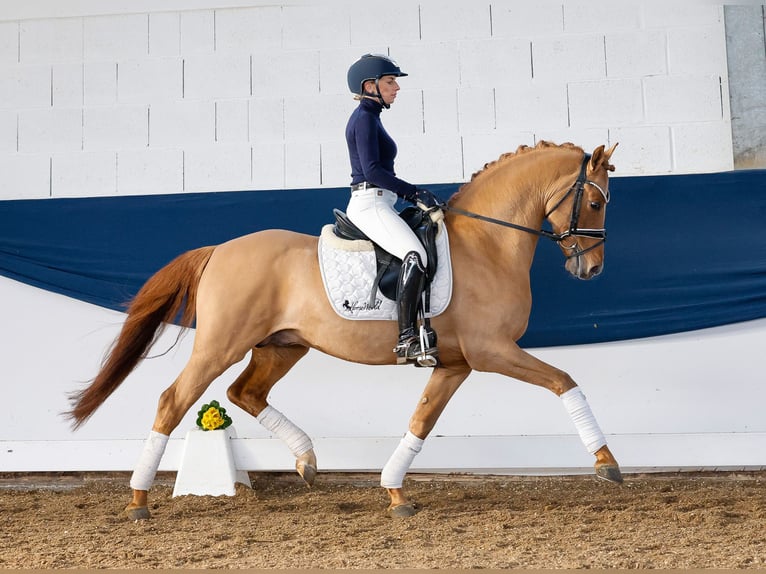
x: 372, y: 211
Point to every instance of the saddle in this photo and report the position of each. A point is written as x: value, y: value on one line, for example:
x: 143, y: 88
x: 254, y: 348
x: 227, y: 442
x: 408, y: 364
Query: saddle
x: 388, y: 266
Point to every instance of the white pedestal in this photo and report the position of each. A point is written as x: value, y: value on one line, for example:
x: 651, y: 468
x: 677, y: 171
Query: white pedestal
x: 207, y: 465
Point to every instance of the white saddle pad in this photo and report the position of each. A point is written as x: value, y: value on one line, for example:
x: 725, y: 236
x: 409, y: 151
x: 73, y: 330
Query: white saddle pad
x: 349, y: 269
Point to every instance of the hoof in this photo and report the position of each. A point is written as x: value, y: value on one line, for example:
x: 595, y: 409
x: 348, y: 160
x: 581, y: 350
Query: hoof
x: 609, y: 472
x: 138, y: 513
x: 308, y: 473
x: 402, y: 510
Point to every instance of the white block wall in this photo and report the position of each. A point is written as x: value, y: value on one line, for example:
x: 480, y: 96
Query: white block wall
x: 96, y: 99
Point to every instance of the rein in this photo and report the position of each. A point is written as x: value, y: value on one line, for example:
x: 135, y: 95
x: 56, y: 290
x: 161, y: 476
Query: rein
x: 574, y: 231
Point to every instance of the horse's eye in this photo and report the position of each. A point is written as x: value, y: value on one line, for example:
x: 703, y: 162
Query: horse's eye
x: 595, y: 205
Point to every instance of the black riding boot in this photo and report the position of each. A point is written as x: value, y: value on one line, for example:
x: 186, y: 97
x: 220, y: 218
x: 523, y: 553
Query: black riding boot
x: 408, y: 294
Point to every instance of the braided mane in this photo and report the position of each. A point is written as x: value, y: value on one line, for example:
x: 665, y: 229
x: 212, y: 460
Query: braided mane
x: 523, y: 149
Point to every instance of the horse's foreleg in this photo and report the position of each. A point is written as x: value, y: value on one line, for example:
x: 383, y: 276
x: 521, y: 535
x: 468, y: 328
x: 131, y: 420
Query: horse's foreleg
x: 249, y: 392
x: 590, y: 433
x: 520, y: 365
x: 174, y: 402
x: 437, y: 393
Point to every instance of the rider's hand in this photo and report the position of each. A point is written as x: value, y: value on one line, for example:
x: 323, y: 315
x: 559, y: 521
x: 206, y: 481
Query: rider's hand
x: 429, y: 203
x: 427, y: 199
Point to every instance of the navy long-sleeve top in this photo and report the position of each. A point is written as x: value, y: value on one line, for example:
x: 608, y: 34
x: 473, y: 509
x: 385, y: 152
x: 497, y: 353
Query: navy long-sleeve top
x: 372, y: 151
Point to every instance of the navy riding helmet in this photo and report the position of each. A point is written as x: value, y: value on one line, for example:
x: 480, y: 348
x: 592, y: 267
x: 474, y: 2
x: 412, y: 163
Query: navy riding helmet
x: 371, y: 67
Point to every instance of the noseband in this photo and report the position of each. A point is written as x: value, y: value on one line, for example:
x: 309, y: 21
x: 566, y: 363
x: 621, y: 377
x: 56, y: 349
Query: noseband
x: 577, y: 189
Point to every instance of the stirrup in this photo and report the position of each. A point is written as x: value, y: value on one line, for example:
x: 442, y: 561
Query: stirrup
x: 420, y: 350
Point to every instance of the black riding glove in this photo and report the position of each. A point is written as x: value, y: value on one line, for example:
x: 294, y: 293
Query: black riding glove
x: 427, y: 199
x: 431, y: 204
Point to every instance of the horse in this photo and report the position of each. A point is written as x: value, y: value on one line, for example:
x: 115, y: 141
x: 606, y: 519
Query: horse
x: 262, y: 294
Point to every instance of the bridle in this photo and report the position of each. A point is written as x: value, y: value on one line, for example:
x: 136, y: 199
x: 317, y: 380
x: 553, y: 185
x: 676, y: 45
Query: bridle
x: 577, y: 189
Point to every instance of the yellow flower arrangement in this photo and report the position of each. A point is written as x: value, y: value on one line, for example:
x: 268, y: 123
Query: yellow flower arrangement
x: 212, y: 417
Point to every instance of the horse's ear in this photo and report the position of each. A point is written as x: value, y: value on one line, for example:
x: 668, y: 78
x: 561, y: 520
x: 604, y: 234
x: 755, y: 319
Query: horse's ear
x: 600, y: 158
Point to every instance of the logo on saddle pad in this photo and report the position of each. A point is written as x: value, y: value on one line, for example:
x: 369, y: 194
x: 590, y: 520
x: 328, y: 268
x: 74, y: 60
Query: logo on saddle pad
x: 349, y: 269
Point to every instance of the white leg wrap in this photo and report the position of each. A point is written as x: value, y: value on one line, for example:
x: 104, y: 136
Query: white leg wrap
x: 397, y: 466
x: 146, y: 467
x: 587, y: 427
x: 297, y: 441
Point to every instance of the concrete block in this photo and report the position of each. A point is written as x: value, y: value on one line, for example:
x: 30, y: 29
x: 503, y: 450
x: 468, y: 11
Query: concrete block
x: 643, y: 150
x: 119, y: 127
x: 526, y: 19
x: 197, y: 32
x: 405, y: 118
x: 302, y: 164
x: 116, y: 37
x: 67, y: 81
x: 479, y: 150
x: 217, y: 167
x: 675, y: 99
x: 100, y: 83
x: 336, y: 168
x: 636, y: 54
x: 683, y: 14
x: 427, y: 159
x: 606, y: 103
x: 50, y: 130
x: 476, y: 110
x: 531, y: 106
x: 207, y: 77
x: 267, y: 120
x: 449, y: 20
x: 306, y: 27
x: 396, y: 23
x: 268, y: 165
x: 164, y: 34
x: 429, y: 65
x: 232, y: 121
x: 697, y: 51
x: 316, y: 118
x: 285, y: 73
x: 247, y: 30
x: 8, y: 131
x: 440, y: 112
x: 150, y: 171
x: 9, y: 43
x: 25, y: 176
x: 50, y: 40
x: 25, y: 86
x: 149, y: 81
x: 580, y: 17
x: 496, y: 62
x: 702, y: 147
x: 569, y: 58
x: 179, y: 124
x: 207, y: 465
x: 84, y: 174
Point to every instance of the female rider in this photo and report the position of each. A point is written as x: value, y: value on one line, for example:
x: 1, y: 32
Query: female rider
x: 375, y: 189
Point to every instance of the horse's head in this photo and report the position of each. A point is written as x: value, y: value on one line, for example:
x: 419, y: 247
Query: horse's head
x: 578, y: 217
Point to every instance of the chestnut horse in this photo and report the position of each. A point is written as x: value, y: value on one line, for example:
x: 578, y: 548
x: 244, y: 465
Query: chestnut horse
x: 263, y: 294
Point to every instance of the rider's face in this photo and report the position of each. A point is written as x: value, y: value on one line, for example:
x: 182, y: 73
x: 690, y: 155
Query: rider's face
x: 388, y: 87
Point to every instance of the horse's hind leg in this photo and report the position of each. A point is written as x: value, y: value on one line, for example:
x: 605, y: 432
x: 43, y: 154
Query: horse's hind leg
x: 268, y: 365
x: 174, y: 402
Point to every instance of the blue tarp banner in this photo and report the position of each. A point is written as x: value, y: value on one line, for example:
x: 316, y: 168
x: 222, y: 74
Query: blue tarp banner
x: 684, y: 252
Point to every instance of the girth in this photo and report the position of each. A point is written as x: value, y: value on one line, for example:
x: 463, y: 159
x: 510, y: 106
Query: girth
x: 388, y: 266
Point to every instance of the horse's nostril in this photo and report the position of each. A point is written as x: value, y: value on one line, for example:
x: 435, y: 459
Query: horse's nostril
x: 595, y: 270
